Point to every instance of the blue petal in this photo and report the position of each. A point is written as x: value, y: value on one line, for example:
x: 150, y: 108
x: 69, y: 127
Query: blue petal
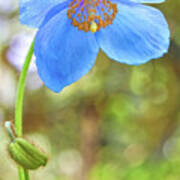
x: 138, y: 34
x: 63, y: 54
x: 33, y: 12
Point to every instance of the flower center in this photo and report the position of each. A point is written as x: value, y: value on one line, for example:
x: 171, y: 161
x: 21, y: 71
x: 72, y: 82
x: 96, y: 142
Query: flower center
x: 91, y: 15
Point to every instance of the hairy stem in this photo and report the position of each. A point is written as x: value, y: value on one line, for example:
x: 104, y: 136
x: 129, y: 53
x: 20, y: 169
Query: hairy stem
x: 23, y: 173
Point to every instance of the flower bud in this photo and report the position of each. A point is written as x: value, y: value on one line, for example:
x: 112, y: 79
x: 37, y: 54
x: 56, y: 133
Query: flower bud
x: 25, y: 154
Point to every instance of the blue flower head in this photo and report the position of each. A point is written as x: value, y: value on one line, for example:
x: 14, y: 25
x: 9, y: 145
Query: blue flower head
x: 71, y: 32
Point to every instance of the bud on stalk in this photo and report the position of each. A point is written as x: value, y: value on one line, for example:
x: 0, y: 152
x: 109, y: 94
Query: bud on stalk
x: 25, y: 154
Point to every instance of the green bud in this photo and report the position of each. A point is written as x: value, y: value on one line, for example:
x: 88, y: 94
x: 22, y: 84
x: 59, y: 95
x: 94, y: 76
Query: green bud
x: 26, y: 155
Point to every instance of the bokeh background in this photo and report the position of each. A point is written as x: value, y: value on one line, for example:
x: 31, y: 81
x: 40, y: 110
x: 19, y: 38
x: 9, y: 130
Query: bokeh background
x: 119, y: 122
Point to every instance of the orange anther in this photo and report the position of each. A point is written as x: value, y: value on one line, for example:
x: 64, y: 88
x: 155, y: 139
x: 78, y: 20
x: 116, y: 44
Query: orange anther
x: 82, y: 9
x: 93, y: 10
x: 80, y: 27
x: 86, y: 26
x: 91, y: 15
x: 74, y: 22
x: 102, y: 9
x: 69, y: 14
x: 87, y: 9
x: 79, y: 17
x: 84, y: 17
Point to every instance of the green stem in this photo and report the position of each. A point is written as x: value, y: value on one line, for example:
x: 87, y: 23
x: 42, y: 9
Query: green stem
x: 23, y: 173
x: 20, y: 92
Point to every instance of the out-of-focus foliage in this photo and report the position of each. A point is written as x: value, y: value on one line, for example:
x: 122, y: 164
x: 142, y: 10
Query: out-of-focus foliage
x: 117, y: 123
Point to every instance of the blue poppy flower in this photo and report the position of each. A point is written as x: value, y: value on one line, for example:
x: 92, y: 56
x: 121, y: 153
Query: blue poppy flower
x: 71, y: 32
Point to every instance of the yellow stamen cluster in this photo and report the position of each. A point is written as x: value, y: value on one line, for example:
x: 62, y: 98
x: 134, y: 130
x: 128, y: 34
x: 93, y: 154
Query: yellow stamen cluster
x: 91, y: 15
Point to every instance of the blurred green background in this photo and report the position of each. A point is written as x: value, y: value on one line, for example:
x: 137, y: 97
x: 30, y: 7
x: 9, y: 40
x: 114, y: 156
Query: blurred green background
x: 119, y: 122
